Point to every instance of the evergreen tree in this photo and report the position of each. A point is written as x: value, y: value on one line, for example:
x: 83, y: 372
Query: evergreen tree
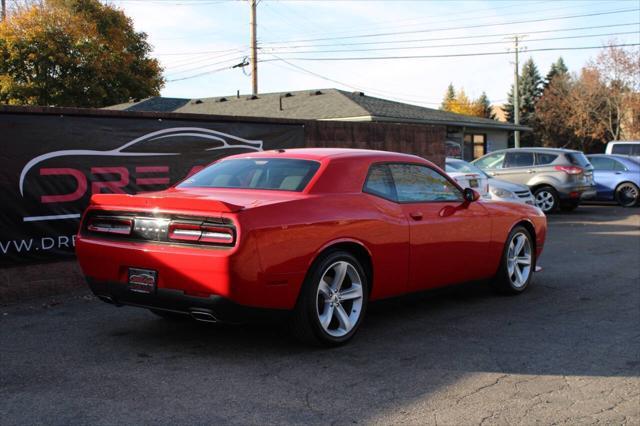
x: 449, y: 98
x: 484, y: 107
x: 530, y: 89
x: 557, y: 68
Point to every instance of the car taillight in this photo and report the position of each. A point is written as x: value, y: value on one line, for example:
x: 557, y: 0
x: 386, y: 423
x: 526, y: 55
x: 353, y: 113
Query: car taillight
x: 570, y: 170
x: 201, y: 233
x: 110, y: 225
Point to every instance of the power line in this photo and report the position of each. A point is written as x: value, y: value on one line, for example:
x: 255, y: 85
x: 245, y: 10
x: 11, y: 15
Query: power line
x: 448, y: 45
x: 363, y: 58
x: 386, y: 94
x: 234, y: 59
x: 464, y: 27
x: 462, y: 37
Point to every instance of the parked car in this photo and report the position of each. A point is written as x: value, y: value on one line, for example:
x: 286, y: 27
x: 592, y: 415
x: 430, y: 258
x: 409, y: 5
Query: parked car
x: 617, y: 178
x: 623, y: 148
x: 468, y: 176
x: 316, y: 233
x: 499, y: 190
x: 557, y: 177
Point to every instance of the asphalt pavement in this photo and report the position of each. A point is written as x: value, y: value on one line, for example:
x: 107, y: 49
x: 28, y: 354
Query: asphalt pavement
x: 567, y: 351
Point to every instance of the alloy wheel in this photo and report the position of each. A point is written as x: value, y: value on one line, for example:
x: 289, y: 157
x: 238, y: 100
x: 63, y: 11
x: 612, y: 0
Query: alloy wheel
x: 339, y: 299
x: 627, y: 195
x: 545, y: 200
x: 519, y: 259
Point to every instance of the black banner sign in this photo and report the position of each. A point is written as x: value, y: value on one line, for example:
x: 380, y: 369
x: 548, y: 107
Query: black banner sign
x: 50, y: 165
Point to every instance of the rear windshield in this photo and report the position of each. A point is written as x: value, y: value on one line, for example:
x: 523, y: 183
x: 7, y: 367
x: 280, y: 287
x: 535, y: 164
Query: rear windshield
x: 255, y: 173
x: 461, y: 167
x: 578, y: 159
x: 626, y: 149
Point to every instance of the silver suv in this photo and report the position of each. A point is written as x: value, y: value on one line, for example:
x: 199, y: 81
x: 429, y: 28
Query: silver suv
x: 557, y: 177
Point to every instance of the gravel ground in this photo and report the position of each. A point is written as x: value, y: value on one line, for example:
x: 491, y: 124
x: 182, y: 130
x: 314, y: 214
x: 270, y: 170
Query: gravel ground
x: 567, y: 351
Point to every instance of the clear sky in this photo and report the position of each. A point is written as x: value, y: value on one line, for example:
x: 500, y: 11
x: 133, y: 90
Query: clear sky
x: 197, y: 41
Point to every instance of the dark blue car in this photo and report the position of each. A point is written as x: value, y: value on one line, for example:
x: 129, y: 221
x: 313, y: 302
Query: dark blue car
x: 617, y: 178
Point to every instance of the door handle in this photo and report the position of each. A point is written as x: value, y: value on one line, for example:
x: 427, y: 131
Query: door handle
x: 531, y: 171
x: 492, y: 173
x: 416, y: 215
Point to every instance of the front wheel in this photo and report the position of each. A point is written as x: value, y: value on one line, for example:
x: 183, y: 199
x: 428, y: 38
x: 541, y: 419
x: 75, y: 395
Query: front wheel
x: 627, y: 194
x: 518, y: 262
x: 546, y: 199
x: 332, y: 301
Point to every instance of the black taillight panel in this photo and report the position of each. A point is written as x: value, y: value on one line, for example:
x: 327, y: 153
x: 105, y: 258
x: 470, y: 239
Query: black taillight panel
x: 204, y: 231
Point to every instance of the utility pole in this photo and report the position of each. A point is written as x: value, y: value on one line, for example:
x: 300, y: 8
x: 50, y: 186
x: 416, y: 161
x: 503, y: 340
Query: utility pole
x: 254, y: 49
x: 516, y: 94
x: 516, y: 100
x: 3, y: 13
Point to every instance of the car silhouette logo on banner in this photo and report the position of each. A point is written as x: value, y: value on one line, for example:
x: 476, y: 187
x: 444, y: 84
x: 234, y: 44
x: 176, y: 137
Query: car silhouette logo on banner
x: 151, y: 145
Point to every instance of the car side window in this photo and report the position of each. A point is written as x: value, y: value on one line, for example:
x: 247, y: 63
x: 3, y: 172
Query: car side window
x: 542, y: 159
x: 417, y: 183
x: 618, y: 166
x: 601, y: 163
x: 491, y: 161
x: 379, y: 182
x: 518, y: 159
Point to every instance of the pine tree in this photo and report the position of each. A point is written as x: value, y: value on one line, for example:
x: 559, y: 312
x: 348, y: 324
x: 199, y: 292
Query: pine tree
x: 530, y: 90
x: 449, y: 98
x: 557, y: 68
x: 483, y: 106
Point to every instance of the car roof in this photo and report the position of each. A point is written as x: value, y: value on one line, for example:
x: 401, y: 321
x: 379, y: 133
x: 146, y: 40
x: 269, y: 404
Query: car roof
x: 320, y: 154
x: 616, y: 156
x: 540, y: 149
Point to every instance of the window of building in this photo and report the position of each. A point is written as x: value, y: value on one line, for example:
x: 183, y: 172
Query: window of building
x: 477, y: 142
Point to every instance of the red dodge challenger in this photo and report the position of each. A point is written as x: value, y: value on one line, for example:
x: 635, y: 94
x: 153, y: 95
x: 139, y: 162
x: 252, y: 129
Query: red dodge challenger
x: 316, y: 232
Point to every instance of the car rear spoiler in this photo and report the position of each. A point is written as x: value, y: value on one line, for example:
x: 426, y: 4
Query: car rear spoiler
x: 153, y: 201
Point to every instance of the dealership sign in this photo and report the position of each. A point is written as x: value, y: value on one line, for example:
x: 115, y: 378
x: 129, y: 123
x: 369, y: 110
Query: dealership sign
x: 51, y: 165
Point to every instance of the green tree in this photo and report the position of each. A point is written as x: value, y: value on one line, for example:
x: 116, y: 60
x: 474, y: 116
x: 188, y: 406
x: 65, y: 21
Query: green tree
x: 449, y: 98
x: 74, y: 53
x: 483, y: 107
x: 530, y: 89
x: 557, y: 68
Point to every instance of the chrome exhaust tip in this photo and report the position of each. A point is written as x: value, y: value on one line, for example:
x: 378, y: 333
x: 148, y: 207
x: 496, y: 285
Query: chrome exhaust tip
x: 203, y: 316
x: 107, y: 299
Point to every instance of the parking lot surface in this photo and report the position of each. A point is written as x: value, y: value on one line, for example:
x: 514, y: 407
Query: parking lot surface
x: 566, y: 351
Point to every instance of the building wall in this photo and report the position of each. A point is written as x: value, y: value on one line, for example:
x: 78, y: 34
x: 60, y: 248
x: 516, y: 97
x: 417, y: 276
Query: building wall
x: 426, y: 141
x: 497, y: 139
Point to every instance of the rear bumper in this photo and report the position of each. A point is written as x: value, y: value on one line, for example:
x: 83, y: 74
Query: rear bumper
x: 577, y: 193
x: 221, y: 309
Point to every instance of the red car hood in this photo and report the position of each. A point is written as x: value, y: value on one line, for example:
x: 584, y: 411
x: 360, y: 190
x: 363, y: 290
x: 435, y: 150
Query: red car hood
x: 202, y: 199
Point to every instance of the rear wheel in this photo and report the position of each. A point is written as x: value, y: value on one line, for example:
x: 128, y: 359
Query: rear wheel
x: 546, y: 199
x: 332, y: 301
x: 518, y: 262
x: 627, y: 194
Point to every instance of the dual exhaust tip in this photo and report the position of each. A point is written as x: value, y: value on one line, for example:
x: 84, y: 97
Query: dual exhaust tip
x: 195, y: 313
x: 204, y: 316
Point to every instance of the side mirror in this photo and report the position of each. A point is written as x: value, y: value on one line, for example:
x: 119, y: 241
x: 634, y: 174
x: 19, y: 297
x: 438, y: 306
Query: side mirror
x: 470, y: 195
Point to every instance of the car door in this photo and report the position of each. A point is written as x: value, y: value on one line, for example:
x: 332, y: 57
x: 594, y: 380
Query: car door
x: 448, y: 237
x: 518, y: 167
x: 605, y: 176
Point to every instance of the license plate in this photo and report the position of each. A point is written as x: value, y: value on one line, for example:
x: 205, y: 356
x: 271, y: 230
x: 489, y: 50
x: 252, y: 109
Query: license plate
x: 142, y: 280
x: 473, y: 183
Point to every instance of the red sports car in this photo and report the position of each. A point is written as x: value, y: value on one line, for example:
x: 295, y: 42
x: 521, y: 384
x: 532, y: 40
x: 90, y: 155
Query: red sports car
x: 315, y: 232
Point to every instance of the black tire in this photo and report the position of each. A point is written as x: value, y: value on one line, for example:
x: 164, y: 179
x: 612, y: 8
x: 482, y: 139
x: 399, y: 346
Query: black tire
x: 504, y: 281
x: 547, y: 199
x: 170, y: 316
x: 627, y: 194
x: 305, y: 321
x: 569, y: 206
